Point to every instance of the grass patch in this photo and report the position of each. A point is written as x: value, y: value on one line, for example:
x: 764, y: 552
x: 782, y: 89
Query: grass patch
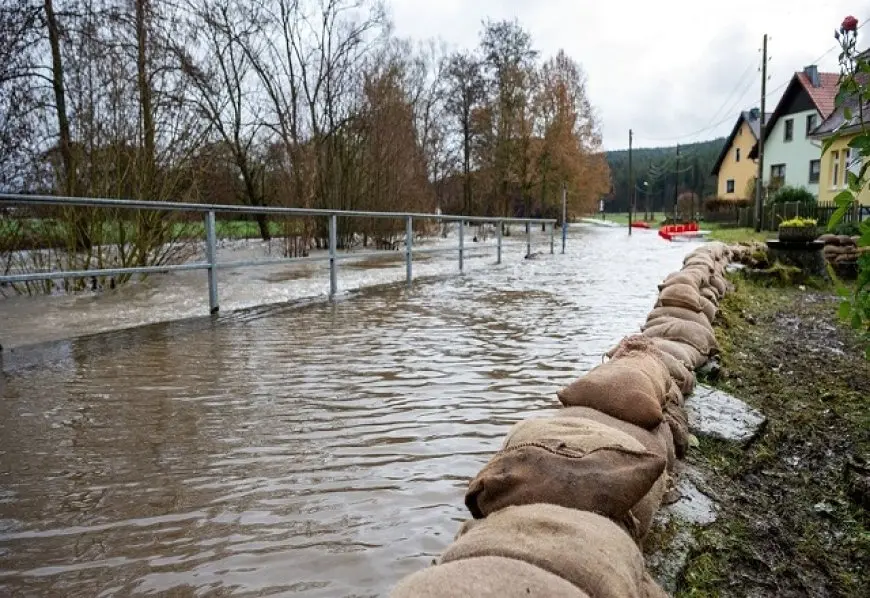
x: 735, y: 235
x: 793, y: 518
x: 622, y: 218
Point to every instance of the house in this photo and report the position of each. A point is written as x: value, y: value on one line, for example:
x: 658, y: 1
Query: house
x: 734, y: 170
x: 791, y: 154
x: 840, y: 159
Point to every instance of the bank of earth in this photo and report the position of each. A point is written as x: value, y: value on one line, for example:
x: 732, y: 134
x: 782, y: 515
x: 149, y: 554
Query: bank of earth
x: 793, y: 502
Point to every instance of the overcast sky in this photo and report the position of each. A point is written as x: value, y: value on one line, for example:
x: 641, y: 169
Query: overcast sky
x: 661, y: 68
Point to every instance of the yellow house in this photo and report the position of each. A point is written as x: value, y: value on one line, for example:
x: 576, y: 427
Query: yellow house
x: 840, y: 159
x: 734, y: 169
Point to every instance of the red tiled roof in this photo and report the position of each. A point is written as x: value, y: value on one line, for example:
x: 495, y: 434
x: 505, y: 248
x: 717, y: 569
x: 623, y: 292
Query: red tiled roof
x: 822, y: 96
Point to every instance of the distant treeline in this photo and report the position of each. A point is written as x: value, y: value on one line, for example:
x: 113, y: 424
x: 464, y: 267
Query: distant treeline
x: 659, y: 167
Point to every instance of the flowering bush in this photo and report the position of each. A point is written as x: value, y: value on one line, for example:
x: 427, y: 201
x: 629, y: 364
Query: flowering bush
x: 852, y: 97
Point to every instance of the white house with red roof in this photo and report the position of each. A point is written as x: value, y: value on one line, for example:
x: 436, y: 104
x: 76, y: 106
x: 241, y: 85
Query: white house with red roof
x: 791, y: 155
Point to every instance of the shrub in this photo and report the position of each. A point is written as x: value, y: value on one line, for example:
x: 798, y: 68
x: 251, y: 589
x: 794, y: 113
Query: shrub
x: 793, y: 195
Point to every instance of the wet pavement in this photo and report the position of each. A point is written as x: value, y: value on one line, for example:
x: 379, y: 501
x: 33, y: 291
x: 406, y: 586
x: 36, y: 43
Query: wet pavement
x: 314, y: 450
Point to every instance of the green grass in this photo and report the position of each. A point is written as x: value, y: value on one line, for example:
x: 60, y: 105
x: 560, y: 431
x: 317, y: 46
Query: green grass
x: 735, y: 235
x: 622, y: 218
x: 790, y: 516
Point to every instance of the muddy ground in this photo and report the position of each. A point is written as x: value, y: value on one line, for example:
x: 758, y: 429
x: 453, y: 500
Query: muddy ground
x: 794, y: 501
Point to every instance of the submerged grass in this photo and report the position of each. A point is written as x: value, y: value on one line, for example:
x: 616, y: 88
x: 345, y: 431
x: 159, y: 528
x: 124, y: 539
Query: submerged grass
x: 793, y: 503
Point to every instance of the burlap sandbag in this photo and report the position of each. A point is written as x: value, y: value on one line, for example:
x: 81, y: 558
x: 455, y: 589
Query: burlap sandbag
x: 682, y: 375
x: 631, y: 388
x: 709, y: 308
x: 829, y: 238
x: 690, y: 333
x: 588, y: 550
x: 688, y: 355
x: 719, y: 283
x: 846, y: 241
x: 676, y: 418
x: 710, y: 294
x: 658, y: 441
x: 646, y: 508
x: 700, y: 260
x: 681, y: 313
x: 485, y: 577
x: 567, y: 461
x: 680, y: 295
x: 691, y: 278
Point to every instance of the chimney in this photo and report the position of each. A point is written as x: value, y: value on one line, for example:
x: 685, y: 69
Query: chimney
x: 812, y: 73
x: 755, y: 114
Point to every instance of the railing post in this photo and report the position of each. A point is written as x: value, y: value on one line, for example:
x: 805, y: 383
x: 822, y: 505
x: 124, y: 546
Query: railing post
x: 528, y: 239
x: 461, y: 243
x: 552, y: 238
x: 333, y: 242
x: 409, y: 249
x: 211, y: 258
x: 498, y: 245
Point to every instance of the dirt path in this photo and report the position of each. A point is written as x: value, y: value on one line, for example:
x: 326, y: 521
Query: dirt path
x: 794, y: 502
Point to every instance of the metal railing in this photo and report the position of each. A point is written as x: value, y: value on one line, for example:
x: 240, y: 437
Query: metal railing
x: 212, y: 264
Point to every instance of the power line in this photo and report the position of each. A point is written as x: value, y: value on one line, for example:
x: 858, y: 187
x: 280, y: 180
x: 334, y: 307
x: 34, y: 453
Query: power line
x: 815, y: 61
x: 743, y: 94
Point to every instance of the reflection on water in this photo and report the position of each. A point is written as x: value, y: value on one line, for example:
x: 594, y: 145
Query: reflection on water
x: 320, y: 451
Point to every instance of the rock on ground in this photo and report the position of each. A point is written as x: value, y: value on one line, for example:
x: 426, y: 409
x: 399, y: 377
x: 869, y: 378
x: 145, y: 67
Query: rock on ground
x: 719, y: 415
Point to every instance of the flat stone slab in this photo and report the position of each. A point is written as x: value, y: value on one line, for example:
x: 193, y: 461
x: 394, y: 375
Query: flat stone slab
x: 717, y: 414
x: 692, y: 509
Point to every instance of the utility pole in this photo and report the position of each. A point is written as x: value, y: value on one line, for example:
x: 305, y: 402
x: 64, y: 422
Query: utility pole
x: 676, y: 182
x: 630, y: 180
x: 759, y: 183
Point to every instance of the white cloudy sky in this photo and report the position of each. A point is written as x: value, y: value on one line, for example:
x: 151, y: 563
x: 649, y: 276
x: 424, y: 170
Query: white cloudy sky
x: 662, y: 68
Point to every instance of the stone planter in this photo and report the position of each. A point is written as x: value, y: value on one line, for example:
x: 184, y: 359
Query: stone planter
x: 797, y: 233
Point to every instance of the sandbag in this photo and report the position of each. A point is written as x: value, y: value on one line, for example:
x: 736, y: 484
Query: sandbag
x: 658, y: 441
x: 690, y: 333
x: 681, y: 313
x: 709, y: 308
x: 485, y: 577
x: 682, y: 375
x: 688, y: 355
x: 846, y: 241
x: 829, y: 238
x: 710, y: 294
x: 631, y: 388
x: 690, y: 278
x: 676, y: 418
x: 680, y: 295
x: 719, y: 283
x: 588, y: 550
x: 571, y: 462
x: 646, y: 508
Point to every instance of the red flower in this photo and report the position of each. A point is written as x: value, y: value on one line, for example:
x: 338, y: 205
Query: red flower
x: 850, y: 23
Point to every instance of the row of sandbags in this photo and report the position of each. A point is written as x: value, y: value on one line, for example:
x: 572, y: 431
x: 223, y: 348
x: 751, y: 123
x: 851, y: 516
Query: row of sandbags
x: 841, y: 249
x: 563, y: 508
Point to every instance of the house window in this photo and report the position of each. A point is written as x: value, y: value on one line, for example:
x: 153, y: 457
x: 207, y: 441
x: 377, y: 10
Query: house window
x: 737, y: 154
x: 815, y: 171
x: 777, y: 173
x: 835, y: 168
x: 729, y: 186
x: 812, y: 123
x: 853, y: 164
x: 789, y: 130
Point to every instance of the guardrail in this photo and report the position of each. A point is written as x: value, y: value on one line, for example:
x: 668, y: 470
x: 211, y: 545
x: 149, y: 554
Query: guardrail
x: 212, y: 264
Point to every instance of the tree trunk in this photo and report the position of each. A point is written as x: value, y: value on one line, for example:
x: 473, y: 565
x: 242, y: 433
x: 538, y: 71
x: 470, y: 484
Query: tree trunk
x: 145, y: 106
x: 81, y: 235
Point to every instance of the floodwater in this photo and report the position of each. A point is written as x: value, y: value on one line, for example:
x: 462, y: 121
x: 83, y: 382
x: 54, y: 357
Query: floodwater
x: 320, y: 450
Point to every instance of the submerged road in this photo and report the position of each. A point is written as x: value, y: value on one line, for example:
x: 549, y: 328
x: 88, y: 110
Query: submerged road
x: 320, y: 450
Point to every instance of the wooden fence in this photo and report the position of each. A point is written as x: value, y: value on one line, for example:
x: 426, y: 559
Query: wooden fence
x: 773, y: 214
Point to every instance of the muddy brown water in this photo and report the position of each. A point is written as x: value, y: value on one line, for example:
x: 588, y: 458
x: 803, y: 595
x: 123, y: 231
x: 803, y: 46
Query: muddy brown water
x: 314, y: 451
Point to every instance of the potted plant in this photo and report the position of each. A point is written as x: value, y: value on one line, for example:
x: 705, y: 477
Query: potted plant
x: 798, y: 229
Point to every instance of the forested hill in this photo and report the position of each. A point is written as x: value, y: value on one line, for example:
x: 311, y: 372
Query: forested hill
x: 658, y: 166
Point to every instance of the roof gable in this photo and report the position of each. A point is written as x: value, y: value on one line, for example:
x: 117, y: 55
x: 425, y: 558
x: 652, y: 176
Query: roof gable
x: 800, y: 95
x: 754, y: 127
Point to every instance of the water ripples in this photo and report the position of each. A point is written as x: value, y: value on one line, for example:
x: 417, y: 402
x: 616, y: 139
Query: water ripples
x: 317, y: 451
